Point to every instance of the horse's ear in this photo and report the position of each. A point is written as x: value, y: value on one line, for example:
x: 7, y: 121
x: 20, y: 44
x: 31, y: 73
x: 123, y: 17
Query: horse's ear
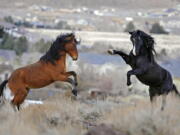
x: 69, y: 38
x: 139, y: 32
x: 130, y: 32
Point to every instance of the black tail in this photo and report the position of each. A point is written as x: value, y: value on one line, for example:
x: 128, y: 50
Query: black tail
x: 2, y: 85
x: 175, y: 90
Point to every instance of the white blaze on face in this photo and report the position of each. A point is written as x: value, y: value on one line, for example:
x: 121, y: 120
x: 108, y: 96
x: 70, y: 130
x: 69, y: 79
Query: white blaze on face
x: 7, y: 93
x: 134, y: 50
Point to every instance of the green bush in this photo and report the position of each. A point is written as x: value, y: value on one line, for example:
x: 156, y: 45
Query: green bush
x: 129, y: 27
x: 9, y: 19
x: 1, y: 31
x: 62, y: 25
x: 8, y: 42
x: 42, y: 46
x: 158, y: 29
x: 19, y: 45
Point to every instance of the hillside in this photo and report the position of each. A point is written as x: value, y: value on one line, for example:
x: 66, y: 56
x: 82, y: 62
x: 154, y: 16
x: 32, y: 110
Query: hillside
x: 122, y: 4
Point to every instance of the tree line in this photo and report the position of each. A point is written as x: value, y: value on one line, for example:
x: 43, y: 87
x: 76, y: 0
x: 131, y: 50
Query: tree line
x: 20, y: 44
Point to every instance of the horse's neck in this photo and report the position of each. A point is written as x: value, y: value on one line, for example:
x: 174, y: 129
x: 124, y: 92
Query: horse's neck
x: 62, y: 60
x: 150, y: 55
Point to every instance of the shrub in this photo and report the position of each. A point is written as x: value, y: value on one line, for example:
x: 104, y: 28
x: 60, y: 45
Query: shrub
x: 158, y: 29
x: 62, y: 25
x: 1, y: 31
x: 9, y: 19
x: 129, y: 27
x: 21, y: 45
x: 42, y: 46
x: 7, y: 42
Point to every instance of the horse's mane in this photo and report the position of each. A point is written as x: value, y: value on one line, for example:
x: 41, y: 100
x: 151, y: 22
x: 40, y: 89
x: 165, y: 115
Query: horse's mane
x: 149, y: 44
x: 53, y: 54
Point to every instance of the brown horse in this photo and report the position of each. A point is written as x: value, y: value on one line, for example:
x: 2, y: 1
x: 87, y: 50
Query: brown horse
x: 50, y: 68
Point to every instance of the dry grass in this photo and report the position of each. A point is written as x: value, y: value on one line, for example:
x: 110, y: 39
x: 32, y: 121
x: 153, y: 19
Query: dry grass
x: 60, y: 116
x: 108, y: 78
x: 63, y: 115
x: 141, y: 120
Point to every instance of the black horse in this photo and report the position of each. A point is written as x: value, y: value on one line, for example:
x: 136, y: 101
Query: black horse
x: 144, y: 67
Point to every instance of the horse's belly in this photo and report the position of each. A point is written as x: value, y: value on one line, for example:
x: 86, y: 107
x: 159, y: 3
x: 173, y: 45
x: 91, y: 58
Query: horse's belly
x: 149, y: 80
x: 33, y: 76
x: 38, y: 83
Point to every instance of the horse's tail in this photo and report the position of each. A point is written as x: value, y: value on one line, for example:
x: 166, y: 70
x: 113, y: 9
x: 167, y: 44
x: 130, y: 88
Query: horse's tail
x: 2, y: 85
x: 175, y: 90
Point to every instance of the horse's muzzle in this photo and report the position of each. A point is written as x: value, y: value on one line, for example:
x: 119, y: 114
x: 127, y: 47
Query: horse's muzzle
x: 75, y: 58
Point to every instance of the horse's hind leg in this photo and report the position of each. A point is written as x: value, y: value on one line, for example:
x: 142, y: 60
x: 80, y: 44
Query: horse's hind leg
x: 163, y: 101
x: 19, y: 97
x: 152, y: 94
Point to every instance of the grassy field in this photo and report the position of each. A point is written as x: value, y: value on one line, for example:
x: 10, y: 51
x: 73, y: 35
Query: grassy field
x: 117, y: 108
x: 63, y: 115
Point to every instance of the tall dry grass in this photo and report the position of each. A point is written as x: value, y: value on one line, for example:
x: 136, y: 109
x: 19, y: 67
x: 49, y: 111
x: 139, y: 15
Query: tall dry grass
x: 143, y: 120
x: 64, y: 115
x: 109, y: 78
x: 60, y: 116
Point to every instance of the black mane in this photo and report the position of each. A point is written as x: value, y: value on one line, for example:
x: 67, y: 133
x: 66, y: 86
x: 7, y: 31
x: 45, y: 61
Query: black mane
x: 53, y: 54
x: 149, y: 44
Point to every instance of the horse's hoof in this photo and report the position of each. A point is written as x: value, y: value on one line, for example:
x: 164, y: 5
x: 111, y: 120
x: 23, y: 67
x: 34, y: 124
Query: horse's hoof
x: 111, y: 51
x: 128, y: 83
x: 130, y: 87
x: 76, y: 84
x: 74, y: 92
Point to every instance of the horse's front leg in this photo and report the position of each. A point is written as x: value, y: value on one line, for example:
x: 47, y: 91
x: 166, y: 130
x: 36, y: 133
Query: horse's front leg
x: 72, y: 73
x: 125, y: 57
x: 65, y: 77
x: 133, y: 72
x: 73, y: 83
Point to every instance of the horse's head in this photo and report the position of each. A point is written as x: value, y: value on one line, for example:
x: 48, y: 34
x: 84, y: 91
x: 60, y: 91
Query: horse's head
x: 137, y: 42
x: 142, y: 42
x: 70, y: 46
x: 65, y: 43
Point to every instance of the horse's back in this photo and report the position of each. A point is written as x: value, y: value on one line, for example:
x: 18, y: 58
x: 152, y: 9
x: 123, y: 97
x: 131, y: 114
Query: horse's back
x: 155, y: 75
x: 30, y: 76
